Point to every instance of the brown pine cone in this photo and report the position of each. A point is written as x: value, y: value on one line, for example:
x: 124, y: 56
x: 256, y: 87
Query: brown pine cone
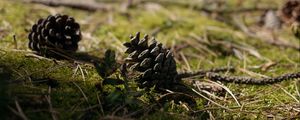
x: 154, y: 62
x: 55, y: 36
x: 290, y: 12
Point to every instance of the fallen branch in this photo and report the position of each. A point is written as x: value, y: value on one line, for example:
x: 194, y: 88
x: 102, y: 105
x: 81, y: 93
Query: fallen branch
x: 223, y: 47
x: 88, y: 6
x: 202, y: 73
x: 249, y: 80
x: 197, y: 6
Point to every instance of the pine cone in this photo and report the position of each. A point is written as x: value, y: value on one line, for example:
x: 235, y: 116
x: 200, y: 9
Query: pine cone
x: 55, y: 35
x: 290, y: 13
x: 155, y: 63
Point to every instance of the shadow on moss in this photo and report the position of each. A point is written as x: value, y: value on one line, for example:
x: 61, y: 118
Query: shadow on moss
x: 5, y: 76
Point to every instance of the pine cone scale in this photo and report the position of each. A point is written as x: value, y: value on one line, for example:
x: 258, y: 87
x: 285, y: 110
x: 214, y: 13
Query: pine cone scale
x: 143, y: 54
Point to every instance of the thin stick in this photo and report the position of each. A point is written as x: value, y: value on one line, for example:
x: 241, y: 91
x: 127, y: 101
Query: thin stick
x: 100, y: 105
x: 20, y: 110
x: 88, y: 6
x: 202, y: 73
x: 75, y: 71
x: 52, y: 111
x: 197, y: 84
x: 249, y: 80
x: 86, y: 99
x: 284, y: 90
x: 195, y: 5
x: 228, y: 90
x: 297, y: 83
x: 83, y: 76
x: 211, y: 100
x: 17, y: 113
x: 38, y: 57
x: 185, y: 61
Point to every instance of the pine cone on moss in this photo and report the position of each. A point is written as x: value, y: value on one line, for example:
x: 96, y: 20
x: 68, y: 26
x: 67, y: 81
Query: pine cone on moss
x: 55, y: 35
x: 154, y: 62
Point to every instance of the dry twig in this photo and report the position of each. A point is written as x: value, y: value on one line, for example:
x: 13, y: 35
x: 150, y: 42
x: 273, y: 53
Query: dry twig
x: 202, y: 73
x: 197, y: 6
x: 88, y: 6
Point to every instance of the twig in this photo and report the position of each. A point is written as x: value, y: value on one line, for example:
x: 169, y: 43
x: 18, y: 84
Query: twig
x: 223, y: 47
x: 297, y: 83
x: 228, y: 90
x: 37, y: 56
x: 197, y: 6
x: 199, y: 85
x: 50, y: 69
x: 284, y: 90
x: 21, y: 113
x: 203, y: 49
x: 185, y: 60
x: 248, y: 80
x: 202, y: 73
x: 100, y: 105
x: 17, y: 113
x: 80, y: 57
x: 251, y: 73
x: 211, y: 100
x: 83, y: 76
x: 179, y: 47
x: 232, y: 107
x: 52, y: 111
x: 83, y: 94
x: 88, y: 6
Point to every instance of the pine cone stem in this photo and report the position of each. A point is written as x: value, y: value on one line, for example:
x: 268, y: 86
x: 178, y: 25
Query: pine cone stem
x: 248, y: 80
x: 202, y: 73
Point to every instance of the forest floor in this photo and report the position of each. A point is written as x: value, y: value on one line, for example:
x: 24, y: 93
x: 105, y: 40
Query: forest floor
x: 200, y: 39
